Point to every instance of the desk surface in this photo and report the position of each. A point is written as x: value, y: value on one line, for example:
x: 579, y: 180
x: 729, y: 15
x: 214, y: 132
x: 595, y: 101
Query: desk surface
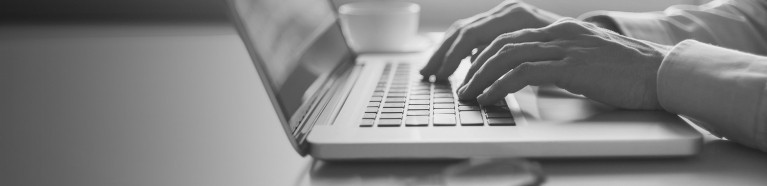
x: 183, y: 105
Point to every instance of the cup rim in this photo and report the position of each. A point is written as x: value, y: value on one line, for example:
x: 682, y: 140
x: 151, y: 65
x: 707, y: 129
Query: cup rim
x: 379, y: 8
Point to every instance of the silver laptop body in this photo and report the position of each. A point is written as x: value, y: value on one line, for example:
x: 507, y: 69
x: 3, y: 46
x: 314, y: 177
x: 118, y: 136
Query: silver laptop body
x: 335, y: 104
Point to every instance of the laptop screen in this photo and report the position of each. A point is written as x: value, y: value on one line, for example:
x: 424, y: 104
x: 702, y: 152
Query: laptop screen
x: 297, y: 42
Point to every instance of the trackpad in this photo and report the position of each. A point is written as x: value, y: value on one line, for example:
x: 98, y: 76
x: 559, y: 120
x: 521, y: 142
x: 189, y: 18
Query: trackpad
x: 550, y: 103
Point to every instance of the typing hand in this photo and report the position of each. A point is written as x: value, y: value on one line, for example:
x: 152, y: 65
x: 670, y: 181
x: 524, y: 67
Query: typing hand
x: 573, y: 55
x: 479, y: 30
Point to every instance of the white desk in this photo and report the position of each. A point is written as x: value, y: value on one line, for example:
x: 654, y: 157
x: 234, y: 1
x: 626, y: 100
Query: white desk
x: 183, y: 105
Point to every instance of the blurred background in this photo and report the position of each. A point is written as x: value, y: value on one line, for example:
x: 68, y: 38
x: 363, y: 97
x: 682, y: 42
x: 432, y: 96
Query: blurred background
x: 435, y: 14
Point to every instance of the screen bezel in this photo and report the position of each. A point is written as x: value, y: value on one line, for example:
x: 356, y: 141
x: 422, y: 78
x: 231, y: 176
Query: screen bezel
x: 298, y: 141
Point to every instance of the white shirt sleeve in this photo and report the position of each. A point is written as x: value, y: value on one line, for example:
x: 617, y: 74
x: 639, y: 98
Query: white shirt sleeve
x: 723, y: 90
x: 720, y: 85
x: 734, y: 24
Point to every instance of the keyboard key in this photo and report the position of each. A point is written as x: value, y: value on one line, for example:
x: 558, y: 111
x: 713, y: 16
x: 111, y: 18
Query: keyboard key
x: 420, y: 92
x: 468, y: 107
x: 500, y: 121
x: 443, y: 95
x: 426, y: 88
x: 395, y: 100
x: 389, y: 122
x: 367, y: 123
x: 419, y: 102
x: 417, y: 121
x: 400, y: 81
x: 419, y: 97
x: 444, y: 106
x: 397, y: 110
x: 398, y: 91
x: 394, y: 105
x: 471, y: 118
x: 378, y: 89
x: 390, y: 115
x: 496, y: 109
x: 469, y: 103
x: 396, y: 95
x: 371, y: 109
x: 418, y: 112
x: 442, y: 90
x: 444, y: 119
x: 374, y: 104
x: 443, y: 100
x: 377, y: 98
x: 498, y: 115
x: 377, y: 94
x: 418, y: 107
x: 369, y: 116
x: 444, y: 111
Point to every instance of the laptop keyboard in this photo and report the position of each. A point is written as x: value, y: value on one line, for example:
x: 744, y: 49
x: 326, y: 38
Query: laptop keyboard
x: 401, y: 101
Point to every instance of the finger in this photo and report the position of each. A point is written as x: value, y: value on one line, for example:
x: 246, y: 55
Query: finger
x: 467, y: 40
x: 477, y: 51
x: 435, y: 62
x: 569, y: 27
x: 479, y: 33
x: 529, y: 73
x: 521, y: 36
x: 509, y: 57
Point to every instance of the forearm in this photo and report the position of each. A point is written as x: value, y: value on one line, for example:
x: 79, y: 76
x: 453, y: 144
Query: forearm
x: 722, y: 89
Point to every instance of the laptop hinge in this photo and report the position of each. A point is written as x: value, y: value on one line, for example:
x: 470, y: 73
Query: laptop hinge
x: 326, y: 103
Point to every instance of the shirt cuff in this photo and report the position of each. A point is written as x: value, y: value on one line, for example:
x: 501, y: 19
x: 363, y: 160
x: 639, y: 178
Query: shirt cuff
x: 719, y: 88
x: 645, y: 26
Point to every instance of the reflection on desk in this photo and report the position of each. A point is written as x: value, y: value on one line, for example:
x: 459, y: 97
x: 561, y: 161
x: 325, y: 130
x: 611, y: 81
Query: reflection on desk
x: 721, y: 162
x: 433, y: 172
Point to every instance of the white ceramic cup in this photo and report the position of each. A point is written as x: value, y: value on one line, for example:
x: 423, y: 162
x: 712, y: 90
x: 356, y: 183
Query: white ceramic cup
x: 379, y: 26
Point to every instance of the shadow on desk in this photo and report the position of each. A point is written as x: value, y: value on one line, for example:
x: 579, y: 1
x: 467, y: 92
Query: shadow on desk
x: 720, y: 162
x: 433, y: 172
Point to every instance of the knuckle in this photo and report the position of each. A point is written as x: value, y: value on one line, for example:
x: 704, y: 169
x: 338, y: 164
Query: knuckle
x: 523, y: 70
x: 505, y: 36
x: 467, y: 31
x: 508, y: 48
x: 460, y: 23
x: 527, y: 31
x: 576, y: 53
x: 568, y: 27
x: 562, y: 20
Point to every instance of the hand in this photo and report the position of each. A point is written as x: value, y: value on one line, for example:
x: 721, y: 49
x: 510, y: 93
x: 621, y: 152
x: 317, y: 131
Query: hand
x: 576, y: 56
x: 479, y: 30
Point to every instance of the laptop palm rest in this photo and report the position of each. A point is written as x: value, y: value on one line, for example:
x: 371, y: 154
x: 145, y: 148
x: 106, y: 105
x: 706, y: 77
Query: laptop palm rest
x: 550, y: 104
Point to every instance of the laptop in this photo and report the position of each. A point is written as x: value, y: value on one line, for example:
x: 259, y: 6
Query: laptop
x: 335, y: 104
